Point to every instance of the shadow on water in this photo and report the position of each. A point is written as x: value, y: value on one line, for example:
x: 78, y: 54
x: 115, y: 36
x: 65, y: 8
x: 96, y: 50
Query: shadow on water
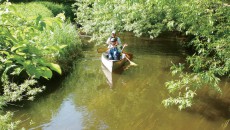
x: 213, y: 105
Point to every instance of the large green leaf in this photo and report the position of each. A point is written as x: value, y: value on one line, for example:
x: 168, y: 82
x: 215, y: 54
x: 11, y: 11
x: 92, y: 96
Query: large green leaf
x: 39, y: 71
x: 55, y: 67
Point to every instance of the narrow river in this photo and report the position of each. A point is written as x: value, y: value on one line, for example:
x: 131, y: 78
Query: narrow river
x: 90, y: 98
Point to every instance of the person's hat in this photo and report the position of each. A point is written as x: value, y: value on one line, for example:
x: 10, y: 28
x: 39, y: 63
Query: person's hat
x: 113, y: 32
x: 113, y: 39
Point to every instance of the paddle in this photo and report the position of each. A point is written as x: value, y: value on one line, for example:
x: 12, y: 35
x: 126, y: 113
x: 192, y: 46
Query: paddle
x: 131, y: 63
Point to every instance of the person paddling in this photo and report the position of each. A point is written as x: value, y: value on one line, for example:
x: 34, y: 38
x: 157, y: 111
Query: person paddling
x: 113, y: 35
x: 115, y: 51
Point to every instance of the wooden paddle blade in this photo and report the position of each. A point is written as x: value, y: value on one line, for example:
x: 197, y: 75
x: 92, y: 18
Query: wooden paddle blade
x: 101, y: 50
x: 132, y: 63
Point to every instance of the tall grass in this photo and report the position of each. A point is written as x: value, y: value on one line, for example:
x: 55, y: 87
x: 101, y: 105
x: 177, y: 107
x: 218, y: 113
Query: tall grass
x: 66, y: 35
x: 33, y: 9
x: 45, y: 9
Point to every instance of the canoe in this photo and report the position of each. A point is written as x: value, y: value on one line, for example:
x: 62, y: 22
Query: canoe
x: 113, y: 65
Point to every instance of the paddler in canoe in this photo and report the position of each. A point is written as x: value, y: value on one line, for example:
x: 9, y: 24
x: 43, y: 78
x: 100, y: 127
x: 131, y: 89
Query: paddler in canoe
x: 113, y: 58
x: 113, y: 35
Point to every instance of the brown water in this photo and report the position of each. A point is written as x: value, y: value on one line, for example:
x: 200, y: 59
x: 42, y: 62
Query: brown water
x: 90, y: 98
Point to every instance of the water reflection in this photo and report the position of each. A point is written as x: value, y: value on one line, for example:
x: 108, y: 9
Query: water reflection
x: 67, y: 117
x: 111, y: 77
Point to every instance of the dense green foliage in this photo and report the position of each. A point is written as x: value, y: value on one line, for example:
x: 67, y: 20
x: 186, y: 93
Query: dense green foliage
x: 206, y: 24
x: 21, y: 46
x: 31, y: 45
x: 64, y: 35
